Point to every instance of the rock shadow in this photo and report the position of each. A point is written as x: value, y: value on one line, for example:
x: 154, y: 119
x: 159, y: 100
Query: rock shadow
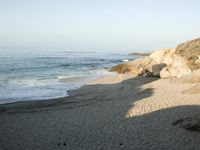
x: 93, y: 117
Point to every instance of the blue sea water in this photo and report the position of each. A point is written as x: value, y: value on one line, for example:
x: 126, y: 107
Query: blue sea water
x: 30, y: 76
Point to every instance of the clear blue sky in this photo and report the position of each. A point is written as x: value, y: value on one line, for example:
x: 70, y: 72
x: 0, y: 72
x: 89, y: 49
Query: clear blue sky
x: 98, y: 24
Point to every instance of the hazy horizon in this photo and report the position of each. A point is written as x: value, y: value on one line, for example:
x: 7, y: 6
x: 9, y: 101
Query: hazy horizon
x: 75, y: 25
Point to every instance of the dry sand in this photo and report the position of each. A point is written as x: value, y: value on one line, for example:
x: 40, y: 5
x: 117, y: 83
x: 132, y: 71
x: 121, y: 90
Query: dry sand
x: 118, y: 112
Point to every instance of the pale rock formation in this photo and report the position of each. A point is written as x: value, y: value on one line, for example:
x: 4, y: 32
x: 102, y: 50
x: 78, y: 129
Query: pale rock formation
x: 162, y: 63
x: 162, y: 56
x: 176, y: 68
x: 166, y: 63
x: 190, y: 50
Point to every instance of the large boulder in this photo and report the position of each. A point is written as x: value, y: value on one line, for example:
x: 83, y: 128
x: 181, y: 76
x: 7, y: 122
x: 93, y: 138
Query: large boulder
x: 157, y: 68
x: 162, y: 56
x: 176, y: 68
x: 121, y: 68
x: 191, y: 52
x: 157, y: 61
x: 165, y: 63
x: 133, y: 67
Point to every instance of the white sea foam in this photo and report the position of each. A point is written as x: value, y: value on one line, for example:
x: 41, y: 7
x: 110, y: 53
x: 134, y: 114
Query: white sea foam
x: 28, y: 82
x: 33, y: 77
x: 125, y: 60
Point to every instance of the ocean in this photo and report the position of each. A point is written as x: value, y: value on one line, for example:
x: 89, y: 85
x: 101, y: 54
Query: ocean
x: 31, y: 76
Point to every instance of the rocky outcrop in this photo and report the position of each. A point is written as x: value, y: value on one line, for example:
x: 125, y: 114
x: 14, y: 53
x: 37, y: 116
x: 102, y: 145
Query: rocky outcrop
x: 133, y: 67
x: 176, y: 68
x: 162, y: 55
x: 166, y: 63
x: 191, y: 52
x: 122, y: 68
x: 162, y: 63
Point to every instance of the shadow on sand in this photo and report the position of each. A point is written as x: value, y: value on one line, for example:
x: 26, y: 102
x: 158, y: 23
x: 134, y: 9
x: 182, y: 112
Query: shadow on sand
x: 93, y: 117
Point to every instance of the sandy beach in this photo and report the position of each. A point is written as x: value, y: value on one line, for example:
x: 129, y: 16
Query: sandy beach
x: 99, y: 75
x: 114, y: 112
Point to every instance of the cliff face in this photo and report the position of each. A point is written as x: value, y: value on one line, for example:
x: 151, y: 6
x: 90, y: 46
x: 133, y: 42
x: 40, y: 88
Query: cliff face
x: 191, y: 52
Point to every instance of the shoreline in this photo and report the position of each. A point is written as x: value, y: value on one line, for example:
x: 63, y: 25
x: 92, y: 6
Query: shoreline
x: 54, y: 101
x: 17, y: 100
x: 119, y: 111
x: 49, y: 76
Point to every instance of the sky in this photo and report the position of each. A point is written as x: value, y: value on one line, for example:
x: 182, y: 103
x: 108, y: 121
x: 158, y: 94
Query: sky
x: 98, y: 25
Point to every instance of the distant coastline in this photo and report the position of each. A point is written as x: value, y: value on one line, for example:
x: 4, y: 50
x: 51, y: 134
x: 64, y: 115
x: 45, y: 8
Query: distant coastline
x: 139, y: 54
